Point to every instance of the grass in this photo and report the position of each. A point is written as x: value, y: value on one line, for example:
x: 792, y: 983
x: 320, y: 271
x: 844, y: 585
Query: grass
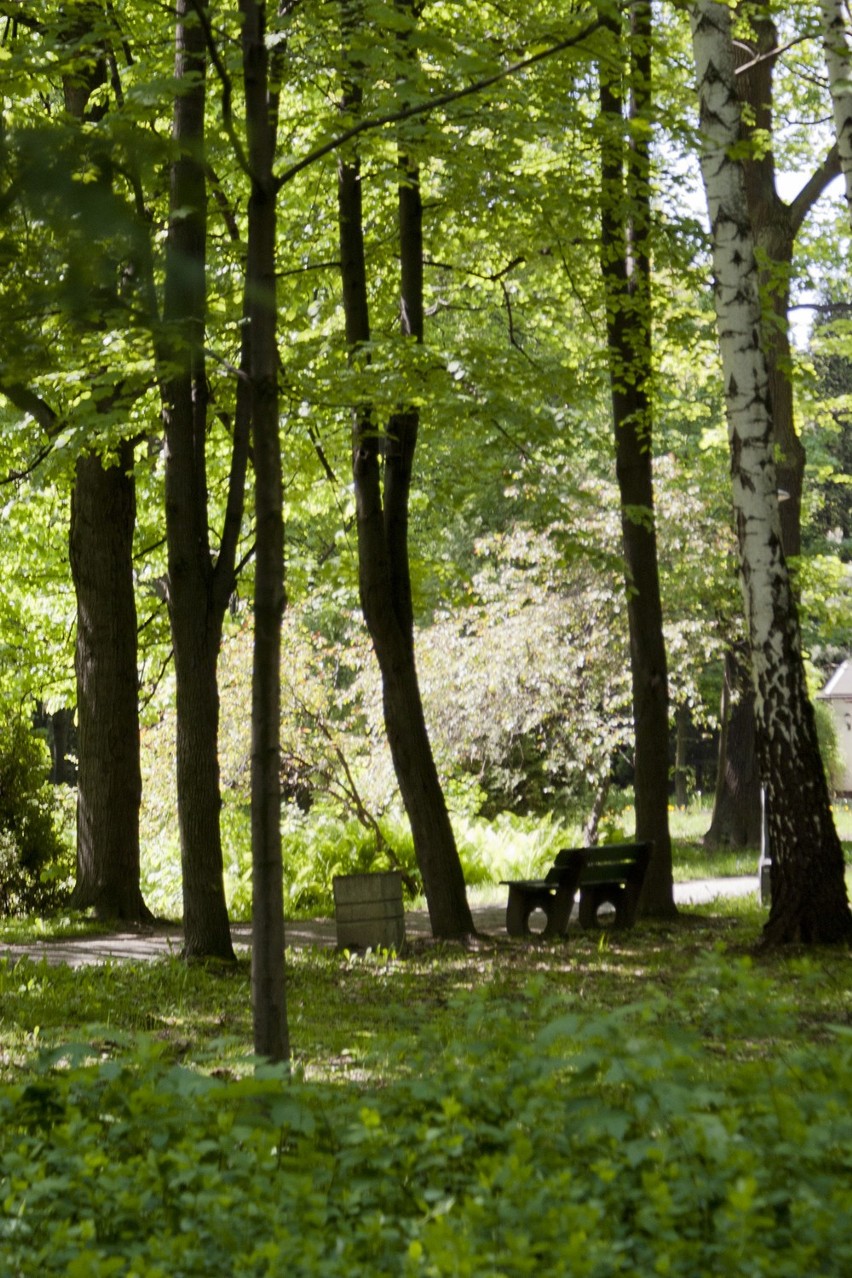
x: 346, y: 1011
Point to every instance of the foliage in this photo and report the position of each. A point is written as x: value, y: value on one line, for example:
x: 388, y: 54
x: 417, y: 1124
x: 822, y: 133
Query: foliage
x: 546, y: 1115
x: 526, y: 687
x: 829, y: 744
x: 35, y: 857
x: 520, y: 637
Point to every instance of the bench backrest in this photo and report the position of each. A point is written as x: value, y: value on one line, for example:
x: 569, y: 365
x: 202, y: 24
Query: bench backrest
x: 568, y: 865
x: 611, y: 863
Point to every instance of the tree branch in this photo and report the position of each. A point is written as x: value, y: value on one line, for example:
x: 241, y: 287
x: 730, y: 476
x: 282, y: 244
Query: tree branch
x: 423, y: 108
x: 200, y: 10
x: 801, y: 204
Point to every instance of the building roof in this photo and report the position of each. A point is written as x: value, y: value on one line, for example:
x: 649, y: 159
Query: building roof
x: 840, y: 683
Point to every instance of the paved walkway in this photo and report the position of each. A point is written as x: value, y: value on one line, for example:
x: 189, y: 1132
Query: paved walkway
x: 159, y: 942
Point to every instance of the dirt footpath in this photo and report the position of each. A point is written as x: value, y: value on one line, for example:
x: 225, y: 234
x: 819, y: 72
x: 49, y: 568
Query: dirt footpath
x: 144, y: 944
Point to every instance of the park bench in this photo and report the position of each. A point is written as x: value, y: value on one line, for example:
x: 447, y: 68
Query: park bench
x: 611, y: 874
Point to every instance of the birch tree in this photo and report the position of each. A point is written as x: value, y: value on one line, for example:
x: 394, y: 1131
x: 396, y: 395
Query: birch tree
x: 809, y: 901
x: 776, y: 224
x: 838, y: 60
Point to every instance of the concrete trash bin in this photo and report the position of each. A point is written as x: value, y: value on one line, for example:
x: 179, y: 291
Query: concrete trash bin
x: 368, y: 910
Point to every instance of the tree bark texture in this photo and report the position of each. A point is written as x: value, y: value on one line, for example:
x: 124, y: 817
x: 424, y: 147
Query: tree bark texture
x: 681, y: 767
x: 625, y: 261
x: 737, y: 813
x: 809, y: 901
x: 103, y: 518
x: 775, y: 224
x: 109, y: 782
x: 383, y: 562
x: 197, y: 593
x: 838, y: 61
x: 269, y: 1006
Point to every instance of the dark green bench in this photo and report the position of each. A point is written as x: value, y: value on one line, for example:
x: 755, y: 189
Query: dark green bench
x: 612, y: 874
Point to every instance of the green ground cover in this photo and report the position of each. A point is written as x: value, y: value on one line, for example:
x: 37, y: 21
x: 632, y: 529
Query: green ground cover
x: 666, y: 1101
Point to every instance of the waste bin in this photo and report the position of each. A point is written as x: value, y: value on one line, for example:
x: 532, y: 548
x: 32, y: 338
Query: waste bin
x: 368, y: 910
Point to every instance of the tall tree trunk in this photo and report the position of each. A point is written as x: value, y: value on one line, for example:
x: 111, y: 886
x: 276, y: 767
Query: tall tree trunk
x: 383, y: 565
x: 681, y: 767
x: 737, y: 814
x: 109, y: 786
x: 775, y: 224
x: 103, y: 518
x: 269, y: 1007
x: 625, y: 260
x: 809, y: 901
x: 197, y: 593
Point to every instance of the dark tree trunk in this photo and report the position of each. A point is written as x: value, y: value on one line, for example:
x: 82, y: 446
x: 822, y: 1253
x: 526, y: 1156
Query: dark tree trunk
x: 775, y: 224
x: 109, y: 785
x: 103, y: 517
x: 197, y: 592
x: 269, y: 1006
x: 625, y: 257
x: 681, y: 768
x: 383, y: 563
x: 63, y: 770
x: 736, y: 820
x: 809, y: 898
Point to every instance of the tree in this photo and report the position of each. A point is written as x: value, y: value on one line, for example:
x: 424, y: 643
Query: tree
x: 737, y: 812
x: 626, y: 270
x: 271, y: 1036
x: 382, y: 523
x: 839, y: 64
x: 775, y: 223
x: 103, y: 515
x: 102, y: 503
x: 109, y: 782
x: 199, y: 585
x: 809, y: 901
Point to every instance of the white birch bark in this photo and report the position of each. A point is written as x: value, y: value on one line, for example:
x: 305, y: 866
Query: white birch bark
x: 809, y: 901
x: 838, y: 61
x: 763, y: 571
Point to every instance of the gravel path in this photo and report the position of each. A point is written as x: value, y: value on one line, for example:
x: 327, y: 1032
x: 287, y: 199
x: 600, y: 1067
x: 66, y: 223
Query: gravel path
x: 160, y: 942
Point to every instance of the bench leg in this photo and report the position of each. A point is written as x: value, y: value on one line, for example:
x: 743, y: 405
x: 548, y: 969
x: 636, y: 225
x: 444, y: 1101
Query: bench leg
x: 624, y: 899
x: 592, y: 898
x: 556, y: 906
x: 625, y: 907
x: 518, y: 911
x: 558, y: 912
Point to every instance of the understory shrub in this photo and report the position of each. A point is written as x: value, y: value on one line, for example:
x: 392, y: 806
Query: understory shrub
x: 35, y: 861
x: 705, y: 1138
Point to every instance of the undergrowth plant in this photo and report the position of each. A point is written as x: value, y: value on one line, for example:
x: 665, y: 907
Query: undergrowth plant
x: 36, y: 858
x: 521, y: 1112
